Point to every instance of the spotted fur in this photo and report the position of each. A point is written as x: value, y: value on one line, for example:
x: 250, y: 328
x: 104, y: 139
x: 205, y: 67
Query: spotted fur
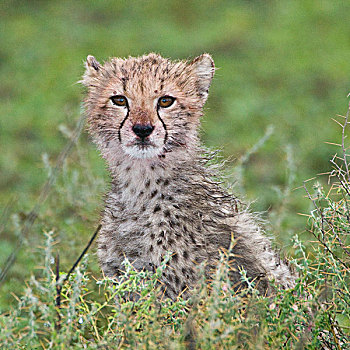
x: 163, y: 196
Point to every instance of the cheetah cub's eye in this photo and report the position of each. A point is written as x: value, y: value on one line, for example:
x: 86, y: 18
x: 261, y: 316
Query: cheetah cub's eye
x: 166, y: 101
x: 119, y: 100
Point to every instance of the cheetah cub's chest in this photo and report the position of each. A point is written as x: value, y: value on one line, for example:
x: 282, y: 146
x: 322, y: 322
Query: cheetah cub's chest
x: 144, y: 222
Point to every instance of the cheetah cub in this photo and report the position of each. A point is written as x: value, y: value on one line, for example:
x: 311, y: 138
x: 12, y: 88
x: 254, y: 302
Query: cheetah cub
x: 144, y: 114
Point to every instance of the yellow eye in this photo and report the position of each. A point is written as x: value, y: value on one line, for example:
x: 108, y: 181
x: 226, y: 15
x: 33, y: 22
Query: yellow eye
x: 119, y: 100
x: 166, y: 101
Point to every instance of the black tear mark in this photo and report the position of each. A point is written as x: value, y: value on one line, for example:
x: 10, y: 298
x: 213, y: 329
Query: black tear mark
x: 164, y: 126
x: 122, y: 123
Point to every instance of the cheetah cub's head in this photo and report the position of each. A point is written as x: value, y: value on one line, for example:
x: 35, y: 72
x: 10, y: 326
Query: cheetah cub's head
x: 146, y: 107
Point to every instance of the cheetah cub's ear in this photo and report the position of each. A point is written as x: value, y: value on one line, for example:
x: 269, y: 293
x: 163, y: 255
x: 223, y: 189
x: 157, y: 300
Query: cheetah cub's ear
x: 93, y: 69
x: 203, y: 68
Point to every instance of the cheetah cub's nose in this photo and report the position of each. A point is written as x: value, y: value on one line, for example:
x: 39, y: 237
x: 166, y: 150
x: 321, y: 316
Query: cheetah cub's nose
x: 142, y: 130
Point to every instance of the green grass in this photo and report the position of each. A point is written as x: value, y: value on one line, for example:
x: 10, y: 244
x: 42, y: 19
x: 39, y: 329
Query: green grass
x: 283, y: 64
x: 105, y: 313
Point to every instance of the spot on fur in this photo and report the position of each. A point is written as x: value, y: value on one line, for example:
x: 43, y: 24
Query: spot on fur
x: 156, y: 208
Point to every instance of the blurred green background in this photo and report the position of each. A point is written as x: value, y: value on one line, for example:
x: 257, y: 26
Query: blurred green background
x: 281, y: 63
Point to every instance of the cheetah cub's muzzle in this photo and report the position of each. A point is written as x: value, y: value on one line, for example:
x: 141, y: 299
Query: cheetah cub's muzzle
x: 142, y: 133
